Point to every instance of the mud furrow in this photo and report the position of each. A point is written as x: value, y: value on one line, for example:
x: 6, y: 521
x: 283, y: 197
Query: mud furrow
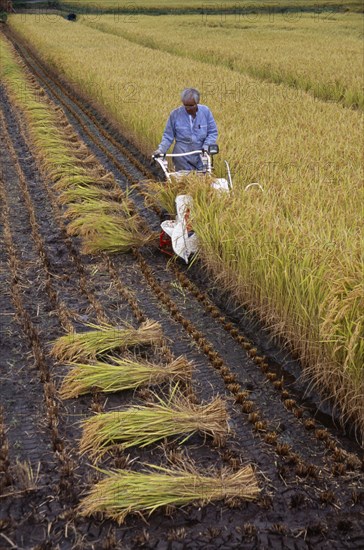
x: 114, y: 156
x: 56, y: 467
x: 63, y: 259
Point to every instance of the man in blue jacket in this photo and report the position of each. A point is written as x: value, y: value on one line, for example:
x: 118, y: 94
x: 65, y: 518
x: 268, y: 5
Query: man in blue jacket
x: 192, y: 127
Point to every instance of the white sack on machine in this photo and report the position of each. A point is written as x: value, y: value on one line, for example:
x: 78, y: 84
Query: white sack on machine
x: 184, y: 241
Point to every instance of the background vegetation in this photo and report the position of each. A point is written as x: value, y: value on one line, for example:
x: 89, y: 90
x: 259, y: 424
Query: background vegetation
x: 212, y: 5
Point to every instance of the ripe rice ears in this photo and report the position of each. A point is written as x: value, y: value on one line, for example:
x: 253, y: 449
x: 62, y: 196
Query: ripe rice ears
x: 89, y: 224
x: 83, y: 179
x: 86, y: 192
x: 144, y: 425
x: 163, y: 194
x: 93, y: 207
x: 74, y: 181
x: 342, y: 330
x: 122, y: 374
x: 98, y: 220
x: 119, y: 235
x: 106, y: 338
x: 123, y: 492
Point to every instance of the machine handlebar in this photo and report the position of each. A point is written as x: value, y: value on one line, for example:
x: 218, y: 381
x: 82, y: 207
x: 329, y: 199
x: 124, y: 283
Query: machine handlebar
x: 199, y: 151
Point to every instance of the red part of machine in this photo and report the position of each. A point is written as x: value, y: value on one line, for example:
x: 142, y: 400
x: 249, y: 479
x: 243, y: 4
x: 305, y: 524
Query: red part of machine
x: 165, y: 243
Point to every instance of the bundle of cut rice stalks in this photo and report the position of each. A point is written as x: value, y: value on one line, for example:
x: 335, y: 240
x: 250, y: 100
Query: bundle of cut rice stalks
x: 88, y: 192
x: 75, y: 180
x: 119, y: 235
x: 163, y: 194
x: 121, y: 374
x: 105, y: 339
x: 82, y: 179
x: 94, y: 207
x: 144, y: 425
x: 123, y: 492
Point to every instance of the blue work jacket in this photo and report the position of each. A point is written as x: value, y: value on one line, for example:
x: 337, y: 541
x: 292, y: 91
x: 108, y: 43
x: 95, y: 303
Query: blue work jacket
x: 178, y: 128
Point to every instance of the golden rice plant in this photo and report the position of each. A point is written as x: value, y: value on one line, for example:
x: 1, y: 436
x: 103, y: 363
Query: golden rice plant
x: 260, y: 51
x: 98, y: 222
x: 121, y: 374
x: 94, y: 207
x: 123, y: 492
x: 144, y: 425
x: 75, y: 180
x: 164, y: 193
x: 87, y: 177
x: 104, y: 339
x: 86, y: 192
x: 118, y: 235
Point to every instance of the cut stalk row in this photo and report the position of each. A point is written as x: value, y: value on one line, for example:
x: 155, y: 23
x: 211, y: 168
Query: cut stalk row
x: 109, y: 232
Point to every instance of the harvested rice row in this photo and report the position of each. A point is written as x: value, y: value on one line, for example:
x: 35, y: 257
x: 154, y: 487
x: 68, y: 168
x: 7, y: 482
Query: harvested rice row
x: 104, y: 339
x: 73, y: 172
x: 120, y: 375
x: 59, y: 305
x: 123, y: 492
x: 179, y: 367
x: 145, y: 425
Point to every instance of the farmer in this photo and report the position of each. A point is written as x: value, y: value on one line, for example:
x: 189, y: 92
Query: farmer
x: 192, y: 127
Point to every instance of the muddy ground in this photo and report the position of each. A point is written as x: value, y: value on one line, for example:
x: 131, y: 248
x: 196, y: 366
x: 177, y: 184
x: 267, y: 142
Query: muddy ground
x: 309, y: 471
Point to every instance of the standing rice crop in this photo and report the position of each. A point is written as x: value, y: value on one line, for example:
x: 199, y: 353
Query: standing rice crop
x: 123, y: 492
x: 144, y: 425
x: 122, y: 374
x: 104, y: 339
x: 164, y: 193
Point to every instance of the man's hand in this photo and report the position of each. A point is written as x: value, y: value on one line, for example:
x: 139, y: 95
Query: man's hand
x: 157, y: 153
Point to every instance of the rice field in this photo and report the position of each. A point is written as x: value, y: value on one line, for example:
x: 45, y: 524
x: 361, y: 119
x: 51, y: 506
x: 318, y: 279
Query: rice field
x: 192, y: 5
x: 320, y: 56
x: 142, y: 366
x: 293, y: 252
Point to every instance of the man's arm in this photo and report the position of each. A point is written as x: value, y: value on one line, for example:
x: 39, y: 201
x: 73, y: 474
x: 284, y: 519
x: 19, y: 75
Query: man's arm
x: 212, y: 132
x: 168, y: 136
